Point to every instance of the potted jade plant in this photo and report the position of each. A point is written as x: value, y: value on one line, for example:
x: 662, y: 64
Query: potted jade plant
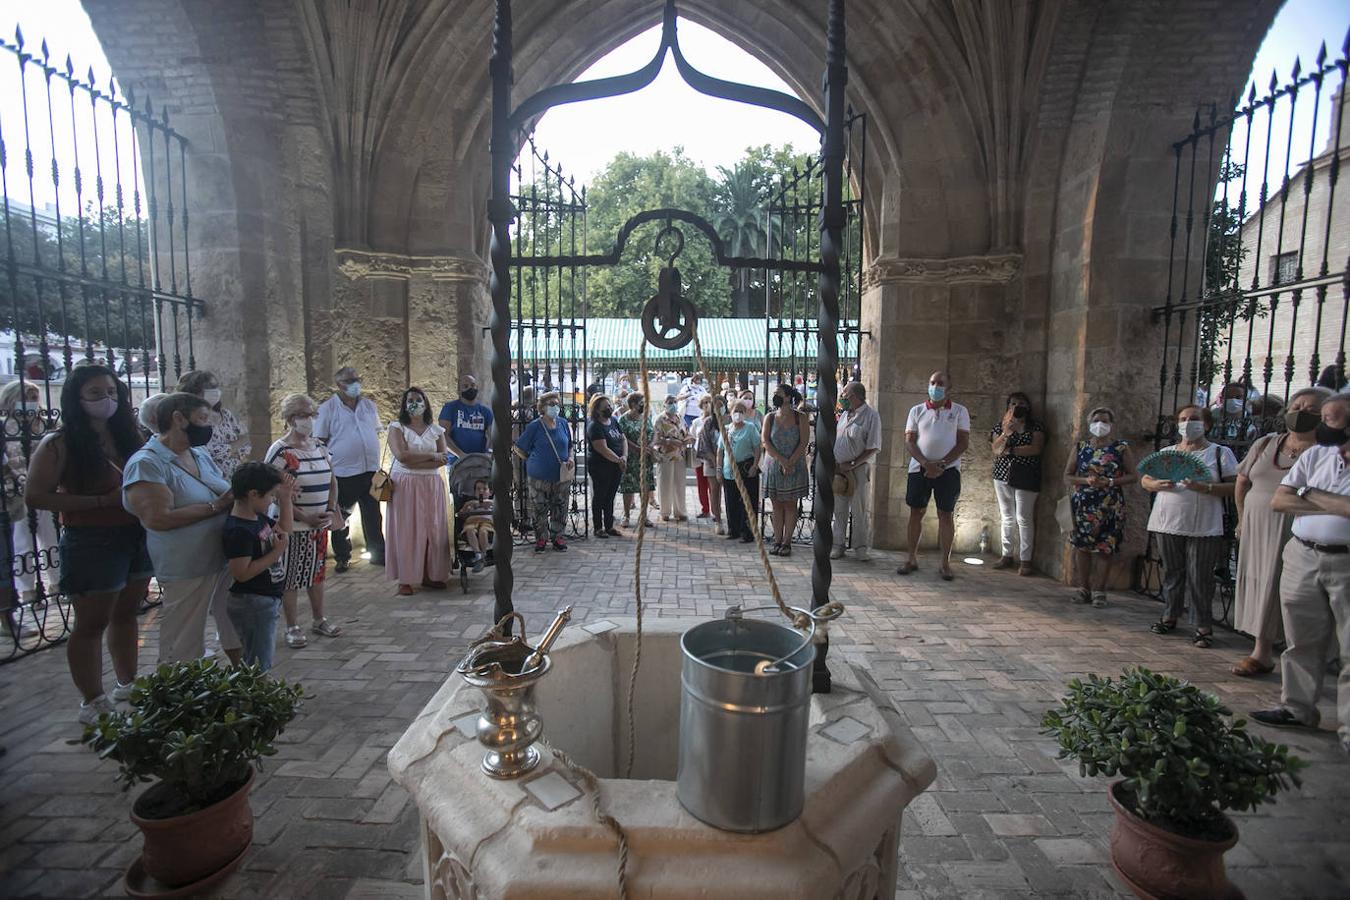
x: 1182, y: 762
x: 198, y: 730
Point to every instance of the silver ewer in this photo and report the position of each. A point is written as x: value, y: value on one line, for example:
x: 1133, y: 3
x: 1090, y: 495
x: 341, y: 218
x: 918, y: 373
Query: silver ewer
x: 506, y: 669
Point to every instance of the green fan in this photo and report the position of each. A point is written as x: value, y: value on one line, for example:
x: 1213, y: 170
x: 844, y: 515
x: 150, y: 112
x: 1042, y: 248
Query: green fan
x: 1175, y: 466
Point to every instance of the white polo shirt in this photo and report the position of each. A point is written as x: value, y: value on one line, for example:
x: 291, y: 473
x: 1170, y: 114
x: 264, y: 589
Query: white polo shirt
x: 1324, y: 469
x: 937, y: 428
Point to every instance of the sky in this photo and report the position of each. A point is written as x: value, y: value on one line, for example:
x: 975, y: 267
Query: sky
x: 583, y: 137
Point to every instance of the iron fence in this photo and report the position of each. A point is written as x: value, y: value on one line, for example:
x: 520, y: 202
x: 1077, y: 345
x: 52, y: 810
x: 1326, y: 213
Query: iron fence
x: 1258, y: 289
x: 97, y: 268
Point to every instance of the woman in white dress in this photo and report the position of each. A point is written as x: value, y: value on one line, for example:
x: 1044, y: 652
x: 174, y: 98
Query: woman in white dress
x: 417, y: 531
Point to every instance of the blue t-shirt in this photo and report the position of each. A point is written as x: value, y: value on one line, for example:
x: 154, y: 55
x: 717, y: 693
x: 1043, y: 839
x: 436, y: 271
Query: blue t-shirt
x: 743, y: 443
x: 469, y: 424
x: 192, y: 551
x: 542, y: 459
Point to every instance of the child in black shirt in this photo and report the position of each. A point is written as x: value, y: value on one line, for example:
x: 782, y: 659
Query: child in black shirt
x: 474, y: 515
x: 255, y: 546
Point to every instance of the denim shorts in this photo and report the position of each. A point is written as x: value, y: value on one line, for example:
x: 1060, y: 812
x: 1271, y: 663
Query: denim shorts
x: 102, y: 559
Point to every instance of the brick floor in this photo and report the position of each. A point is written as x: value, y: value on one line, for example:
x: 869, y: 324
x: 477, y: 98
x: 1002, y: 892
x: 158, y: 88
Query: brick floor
x: 972, y: 665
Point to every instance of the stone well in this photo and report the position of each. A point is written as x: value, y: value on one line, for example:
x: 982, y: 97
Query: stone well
x: 538, y: 837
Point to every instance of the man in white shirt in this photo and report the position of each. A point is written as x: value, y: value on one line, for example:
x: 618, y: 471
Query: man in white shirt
x: 937, y: 433
x: 690, y: 394
x: 857, y: 439
x: 350, y: 425
x: 1315, y: 580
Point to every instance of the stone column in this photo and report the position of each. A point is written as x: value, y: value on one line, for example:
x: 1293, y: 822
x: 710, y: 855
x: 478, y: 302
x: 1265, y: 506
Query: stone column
x: 924, y: 315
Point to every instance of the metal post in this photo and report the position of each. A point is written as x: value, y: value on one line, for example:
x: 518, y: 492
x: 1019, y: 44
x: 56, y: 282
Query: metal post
x: 500, y: 214
x: 827, y: 356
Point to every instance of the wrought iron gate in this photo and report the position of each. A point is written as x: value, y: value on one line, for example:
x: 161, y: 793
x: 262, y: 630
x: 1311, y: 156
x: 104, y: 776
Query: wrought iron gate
x: 95, y: 204
x: 790, y: 298
x: 548, y: 328
x: 1258, y: 291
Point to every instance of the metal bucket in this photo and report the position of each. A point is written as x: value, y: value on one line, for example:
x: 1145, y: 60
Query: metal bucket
x: 743, y: 735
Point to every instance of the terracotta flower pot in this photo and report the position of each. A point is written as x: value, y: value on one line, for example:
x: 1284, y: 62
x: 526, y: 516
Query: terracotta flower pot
x: 183, y: 850
x: 1162, y: 865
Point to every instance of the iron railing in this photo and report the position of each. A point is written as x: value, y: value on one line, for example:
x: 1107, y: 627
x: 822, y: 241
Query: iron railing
x: 95, y: 203
x: 1258, y: 289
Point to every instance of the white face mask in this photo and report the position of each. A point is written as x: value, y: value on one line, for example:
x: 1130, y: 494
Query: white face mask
x: 1233, y: 406
x: 211, y: 395
x: 1193, y: 429
x: 415, y: 407
x: 552, y: 411
x: 1100, y: 429
x: 738, y: 417
x: 353, y: 389
x: 303, y: 426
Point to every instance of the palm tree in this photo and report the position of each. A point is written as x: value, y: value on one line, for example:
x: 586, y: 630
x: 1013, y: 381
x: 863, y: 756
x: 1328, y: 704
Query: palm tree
x: 740, y: 219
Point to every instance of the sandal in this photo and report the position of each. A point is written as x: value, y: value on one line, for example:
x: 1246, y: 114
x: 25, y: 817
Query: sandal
x: 1203, y: 639
x: 1162, y: 626
x: 405, y: 590
x: 907, y: 568
x: 946, y: 574
x: 1099, y: 600
x: 1248, y: 667
x: 1082, y: 595
x: 326, y: 628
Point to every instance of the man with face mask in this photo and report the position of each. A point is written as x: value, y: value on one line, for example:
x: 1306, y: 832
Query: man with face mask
x: 1315, y: 580
x: 857, y: 440
x: 349, y: 424
x: 937, y: 433
x: 467, y: 423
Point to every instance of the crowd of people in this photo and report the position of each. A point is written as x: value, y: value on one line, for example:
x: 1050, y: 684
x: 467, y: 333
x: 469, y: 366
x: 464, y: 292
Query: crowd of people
x: 173, y: 495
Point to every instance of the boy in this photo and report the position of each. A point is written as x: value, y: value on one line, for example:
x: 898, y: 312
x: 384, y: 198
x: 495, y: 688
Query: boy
x: 255, y: 546
x: 475, y: 515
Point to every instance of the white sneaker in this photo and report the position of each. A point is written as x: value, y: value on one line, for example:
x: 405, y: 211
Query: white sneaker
x: 89, y: 712
x: 862, y: 554
x: 721, y: 529
x: 837, y: 553
x: 295, y: 637
x: 122, y: 691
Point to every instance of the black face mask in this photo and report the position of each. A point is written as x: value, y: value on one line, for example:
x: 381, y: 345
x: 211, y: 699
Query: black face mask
x: 1301, y: 421
x: 198, y: 435
x: 470, y: 394
x: 1330, y: 437
x: 604, y: 412
x: 777, y: 402
x: 1021, y: 412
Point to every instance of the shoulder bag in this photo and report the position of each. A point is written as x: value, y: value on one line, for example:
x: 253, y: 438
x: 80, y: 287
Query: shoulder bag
x: 381, y: 485
x: 567, y: 468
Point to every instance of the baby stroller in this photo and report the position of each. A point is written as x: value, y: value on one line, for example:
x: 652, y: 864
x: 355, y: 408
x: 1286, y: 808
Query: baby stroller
x: 468, y: 469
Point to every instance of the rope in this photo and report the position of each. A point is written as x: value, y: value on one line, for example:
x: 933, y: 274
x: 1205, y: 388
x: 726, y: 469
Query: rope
x: 644, y: 501
x: 593, y: 788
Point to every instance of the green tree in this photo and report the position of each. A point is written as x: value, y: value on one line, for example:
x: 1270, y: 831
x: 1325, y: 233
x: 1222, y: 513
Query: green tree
x: 1224, y: 304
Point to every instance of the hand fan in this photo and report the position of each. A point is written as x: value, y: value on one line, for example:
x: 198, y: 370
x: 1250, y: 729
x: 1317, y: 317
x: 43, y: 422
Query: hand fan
x: 1175, y: 465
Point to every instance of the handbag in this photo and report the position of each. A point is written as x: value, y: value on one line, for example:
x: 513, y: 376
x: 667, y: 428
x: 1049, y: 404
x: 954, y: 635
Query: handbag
x: 567, y: 468
x: 381, y: 485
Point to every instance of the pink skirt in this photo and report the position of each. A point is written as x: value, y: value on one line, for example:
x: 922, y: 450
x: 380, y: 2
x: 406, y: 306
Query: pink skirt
x: 416, y: 534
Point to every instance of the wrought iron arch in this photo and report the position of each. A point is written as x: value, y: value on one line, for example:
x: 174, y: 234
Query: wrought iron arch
x: 508, y: 121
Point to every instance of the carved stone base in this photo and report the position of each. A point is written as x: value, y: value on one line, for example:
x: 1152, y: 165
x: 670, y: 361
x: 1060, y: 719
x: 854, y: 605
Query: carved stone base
x: 488, y: 838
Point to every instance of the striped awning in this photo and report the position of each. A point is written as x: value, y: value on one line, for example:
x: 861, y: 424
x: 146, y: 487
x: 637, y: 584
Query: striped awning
x: 724, y: 340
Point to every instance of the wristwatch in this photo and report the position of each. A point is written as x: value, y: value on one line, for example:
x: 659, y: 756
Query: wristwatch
x: 1303, y: 491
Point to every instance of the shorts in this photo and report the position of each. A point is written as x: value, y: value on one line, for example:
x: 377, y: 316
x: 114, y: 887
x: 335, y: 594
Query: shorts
x: 103, y: 559
x: 945, y: 490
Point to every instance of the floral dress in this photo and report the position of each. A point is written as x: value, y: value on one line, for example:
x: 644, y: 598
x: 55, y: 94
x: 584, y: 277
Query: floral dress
x: 225, y: 430
x: 1098, y: 513
x: 638, y: 431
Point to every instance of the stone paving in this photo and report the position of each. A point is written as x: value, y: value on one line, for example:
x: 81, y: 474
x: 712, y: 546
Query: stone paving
x: 972, y: 665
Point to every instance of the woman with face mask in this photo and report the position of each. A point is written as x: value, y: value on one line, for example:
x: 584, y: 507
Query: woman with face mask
x: 33, y: 540
x: 1097, y: 470
x: 1262, y: 532
x: 605, y: 464
x: 743, y: 450
x: 230, y: 444
x: 1187, y: 520
x: 315, y: 514
x: 636, y: 429
x: 77, y: 474
x: 174, y: 488
x: 786, y: 481
x: 546, y: 446
x: 672, y: 439
x: 417, y: 530
x: 1017, y: 442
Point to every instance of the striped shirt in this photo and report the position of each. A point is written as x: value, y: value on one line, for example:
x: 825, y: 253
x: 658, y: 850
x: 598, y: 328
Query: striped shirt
x: 313, y: 469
